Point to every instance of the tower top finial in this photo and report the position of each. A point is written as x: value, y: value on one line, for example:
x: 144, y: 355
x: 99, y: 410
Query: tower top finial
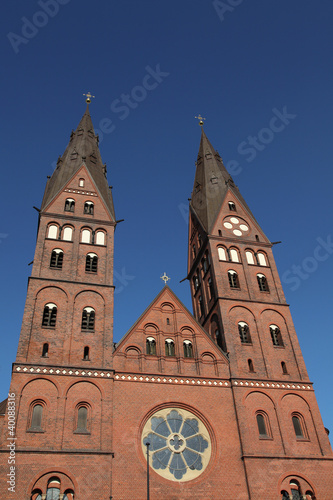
x: 165, y: 278
x: 88, y: 96
x: 200, y: 118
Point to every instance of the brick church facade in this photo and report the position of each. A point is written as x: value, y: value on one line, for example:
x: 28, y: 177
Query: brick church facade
x: 220, y: 401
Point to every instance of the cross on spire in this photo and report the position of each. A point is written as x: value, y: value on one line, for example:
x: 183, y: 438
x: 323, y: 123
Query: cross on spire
x: 200, y: 118
x: 88, y: 96
x: 165, y: 278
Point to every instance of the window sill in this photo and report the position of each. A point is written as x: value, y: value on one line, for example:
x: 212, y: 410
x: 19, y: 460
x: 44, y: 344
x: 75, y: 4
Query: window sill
x: 36, y: 431
x: 49, y: 327
x: 266, y: 438
x: 82, y: 432
x: 246, y: 343
x: 302, y: 439
x: 278, y: 346
x: 56, y: 268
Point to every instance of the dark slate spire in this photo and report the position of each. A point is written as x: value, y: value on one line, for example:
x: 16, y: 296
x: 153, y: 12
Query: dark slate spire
x: 211, y: 184
x: 81, y: 150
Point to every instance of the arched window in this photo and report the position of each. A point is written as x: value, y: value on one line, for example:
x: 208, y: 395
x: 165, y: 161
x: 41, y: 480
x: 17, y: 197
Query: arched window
x: 210, y: 288
x: 52, y: 232
x: 299, y: 426
x: 69, y: 205
x: 86, y: 353
x: 244, y: 332
x: 91, y: 263
x: 86, y: 236
x: 45, y: 351
x: 36, y: 417
x: 169, y: 347
x: 69, y: 495
x: 57, y: 257
x: 233, y: 279
x: 262, y: 283
x: 199, y: 240
x: 216, y: 332
x: 82, y: 419
x: 276, y: 335
x: 196, y: 282
x: 249, y: 257
x: 53, y: 489
x: 201, y: 306
x: 88, y: 319
x: 100, y: 238
x: 285, y: 495
x: 81, y: 183
x: 234, y: 255
x: 261, y: 423
x: 295, y: 490
x: 232, y: 206
x: 188, y: 350
x: 251, y: 367
x: 222, y: 253
x: 194, y: 251
x: 88, y: 208
x: 262, y: 259
x: 284, y: 368
x: 36, y: 495
x: 151, y: 346
x: 204, y: 263
x: 49, y: 315
x: 67, y: 234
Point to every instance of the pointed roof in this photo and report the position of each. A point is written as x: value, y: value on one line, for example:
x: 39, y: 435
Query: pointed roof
x: 211, y: 183
x: 82, y: 150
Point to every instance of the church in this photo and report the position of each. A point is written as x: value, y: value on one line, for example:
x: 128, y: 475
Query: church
x: 211, y: 405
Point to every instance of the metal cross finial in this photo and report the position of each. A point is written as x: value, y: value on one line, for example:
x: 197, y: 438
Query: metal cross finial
x: 88, y: 96
x: 165, y: 278
x: 199, y: 117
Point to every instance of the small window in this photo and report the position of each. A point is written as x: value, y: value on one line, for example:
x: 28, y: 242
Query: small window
x: 194, y: 251
x: 69, y: 205
x: 234, y: 255
x: 298, y: 427
x: 244, y: 332
x: 88, y: 208
x: 250, y: 364
x: 68, y: 234
x: 86, y: 353
x: 196, y: 282
x: 169, y: 347
x: 275, y: 335
x: 49, y: 315
x: 249, y: 257
x: 86, y: 236
x: 210, y: 288
x: 232, y: 206
x: 262, y: 282
x: 284, y: 368
x: 167, y: 321
x: 82, y: 419
x: 204, y: 264
x: 88, y: 319
x: 36, y: 417
x: 188, y: 350
x: 151, y: 346
x: 100, y: 238
x: 261, y: 423
x: 199, y: 240
x: 81, y: 183
x: 45, y: 351
x: 57, y: 257
x: 52, y: 232
x: 233, y: 279
x: 91, y: 263
x: 222, y: 253
x: 261, y: 259
x: 201, y: 306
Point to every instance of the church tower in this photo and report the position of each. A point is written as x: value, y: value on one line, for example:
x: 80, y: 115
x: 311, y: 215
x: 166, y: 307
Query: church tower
x: 61, y: 376
x: 238, y: 298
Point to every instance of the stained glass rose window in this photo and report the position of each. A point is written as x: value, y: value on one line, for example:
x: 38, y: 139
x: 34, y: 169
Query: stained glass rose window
x: 180, y: 446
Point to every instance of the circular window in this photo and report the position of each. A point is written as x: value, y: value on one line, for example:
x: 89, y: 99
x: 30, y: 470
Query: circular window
x: 179, y: 444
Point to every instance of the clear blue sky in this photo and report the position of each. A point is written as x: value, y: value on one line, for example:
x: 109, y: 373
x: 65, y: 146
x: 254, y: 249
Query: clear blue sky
x: 234, y: 66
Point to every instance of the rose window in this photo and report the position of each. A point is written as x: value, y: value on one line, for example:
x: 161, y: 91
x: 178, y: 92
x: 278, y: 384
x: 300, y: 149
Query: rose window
x: 236, y: 226
x: 180, y: 445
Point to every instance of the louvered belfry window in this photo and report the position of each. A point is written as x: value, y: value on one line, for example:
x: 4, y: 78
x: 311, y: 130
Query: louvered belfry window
x: 91, y: 263
x: 50, y: 315
x: 88, y: 319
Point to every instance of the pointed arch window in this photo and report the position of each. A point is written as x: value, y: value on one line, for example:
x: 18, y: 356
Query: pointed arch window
x: 100, y: 238
x: 276, y: 335
x: 52, y: 232
x: 188, y: 349
x: 69, y: 205
x: 234, y: 257
x: 233, y: 279
x: 169, y: 347
x: 244, y: 332
x: 232, y: 206
x: 67, y: 234
x: 249, y: 257
x: 222, y: 253
x: 88, y: 319
x: 86, y: 236
x: 88, y: 208
x: 57, y: 257
x: 151, y: 346
x: 262, y: 283
x: 49, y: 315
x: 91, y: 263
x: 262, y: 259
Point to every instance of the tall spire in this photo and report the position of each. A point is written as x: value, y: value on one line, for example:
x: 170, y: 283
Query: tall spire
x: 211, y: 184
x: 82, y: 150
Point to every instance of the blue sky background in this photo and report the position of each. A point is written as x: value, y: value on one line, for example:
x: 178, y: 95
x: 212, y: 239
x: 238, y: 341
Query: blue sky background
x: 234, y: 67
